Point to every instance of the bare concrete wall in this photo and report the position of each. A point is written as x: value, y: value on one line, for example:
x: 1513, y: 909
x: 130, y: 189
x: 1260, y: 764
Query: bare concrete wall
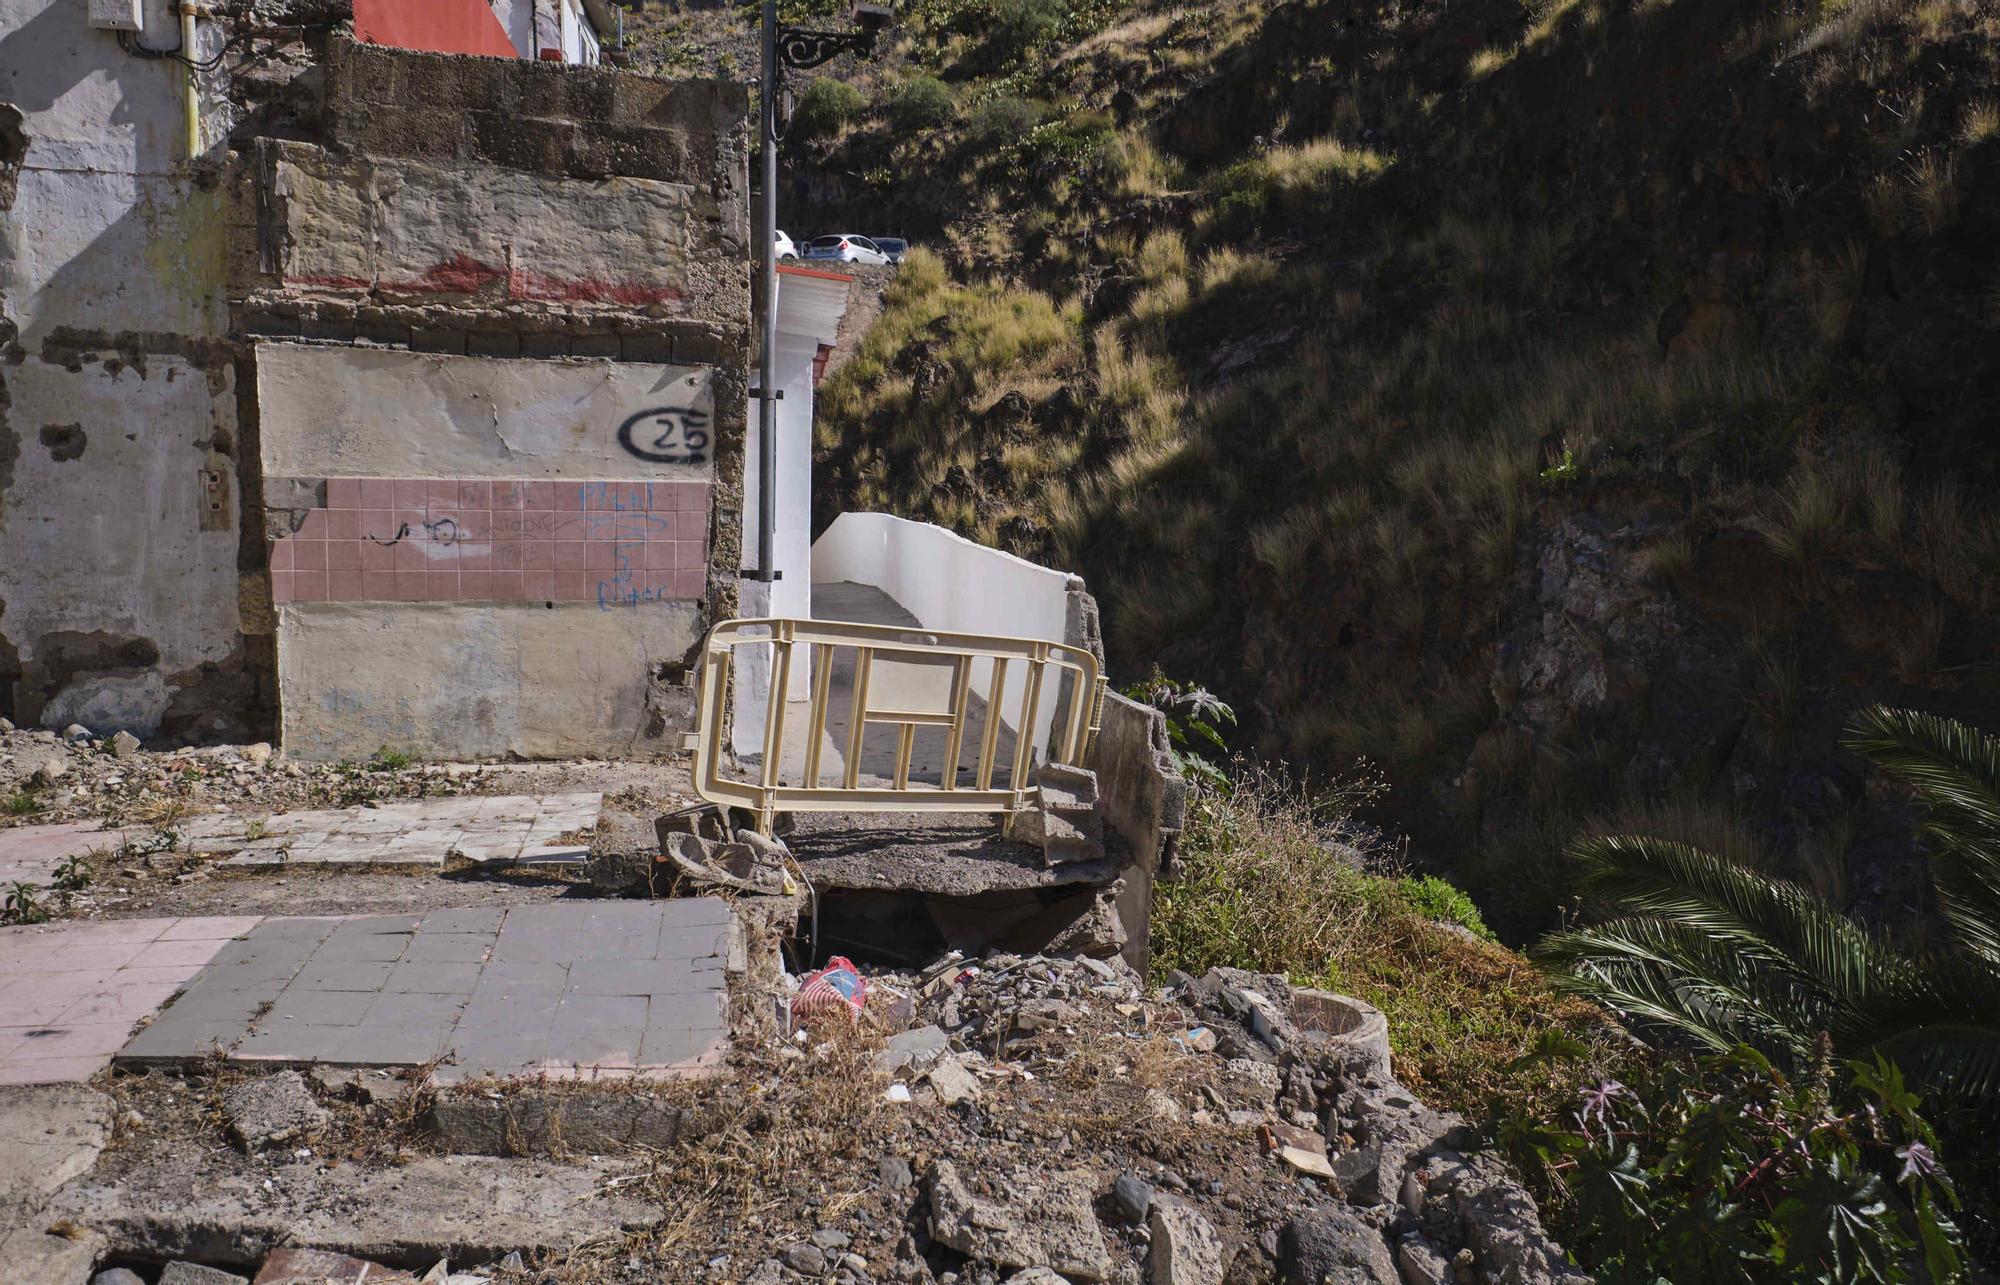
x: 119, y: 492
x: 373, y: 412
x: 1144, y: 802
x: 462, y: 681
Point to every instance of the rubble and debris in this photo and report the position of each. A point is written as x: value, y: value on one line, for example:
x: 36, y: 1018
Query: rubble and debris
x: 269, y: 1111
x: 1185, y: 1249
x: 836, y: 987
x: 185, y: 1273
x: 1021, y: 1220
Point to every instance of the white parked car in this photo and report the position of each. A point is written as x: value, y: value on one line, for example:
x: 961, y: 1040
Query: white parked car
x: 847, y: 247
x: 787, y: 252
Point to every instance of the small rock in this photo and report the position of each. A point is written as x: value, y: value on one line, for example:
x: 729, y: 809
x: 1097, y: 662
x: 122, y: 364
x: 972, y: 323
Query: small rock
x: 1036, y: 1276
x: 768, y: 1272
x: 1333, y: 1244
x: 831, y: 1238
x: 1185, y: 1248
x: 76, y: 734
x: 916, y: 1049
x: 48, y: 771
x: 124, y: 745
x: 807, y: 1258
x: 257, y: 755
x: 894, y: 1173
x: 272, y: 1110
x: 854, y: 1263
x: 118, y: 1276
x: 6, y: 725
x: 1134, y: 1196
x: 953, y: 1082
x: 1420, y: 1263
x: 511, y: 1263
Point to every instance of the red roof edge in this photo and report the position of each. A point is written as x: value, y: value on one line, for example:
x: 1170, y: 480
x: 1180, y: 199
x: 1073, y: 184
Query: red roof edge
x: 821, y: 273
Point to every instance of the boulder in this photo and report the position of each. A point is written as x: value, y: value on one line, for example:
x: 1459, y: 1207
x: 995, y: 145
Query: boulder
x: 1185, y: 1249
x: 1032, y: 1220
x: 1332, y: 1246
x: 1133, y: 1195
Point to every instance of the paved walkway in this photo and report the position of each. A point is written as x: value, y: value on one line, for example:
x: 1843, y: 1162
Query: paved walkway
x: 31, y: 853
x: 498, y: 830
x: 592, y: 990
x: 71, y: 992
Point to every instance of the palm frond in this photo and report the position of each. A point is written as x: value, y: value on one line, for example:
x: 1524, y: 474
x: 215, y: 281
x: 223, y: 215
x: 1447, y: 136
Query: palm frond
x: 1771, y: 918
x: 1940, y: 1021
x: 1955, y: 771
x: 1680, y: 976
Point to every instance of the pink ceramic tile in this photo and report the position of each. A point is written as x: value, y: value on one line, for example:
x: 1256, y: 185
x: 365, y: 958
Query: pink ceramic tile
x: 688, y: 553
x: 412, y: 494
x: 690, y: 584
x: 572, y: 497
x: 476, y: 556
x: 538, y: 585
x: 376, y: 556
x: 343, y: 524
x: 510, y: 495
x: 343, y: 555
x: 475, y: 495
x: 475, y: 586
x: 567, y: 555
x: 539, y: 495
x: 343, y: 493
x: 281, y: 586
x: 663, y: 526
x: 308, y: 555
x: 378, y: 585
x: 281, y: 554
x: 573, y: 586
x: 410, y: 522
x: 628, y: 497
x: 175, y: 954
x: 565, y: 526
x: 506, y: 586
x: 660, y: 555
x: 473, y: 524
x: 344, y: 586
x: 441, y: 496
x: 538, y: 555
x: 377, y: 493
x: 378, y: 524
x: 313, y: 525
x: 600, y: 555
x: 507, y: 557
x: 441, y: 586
x: 691, y: 497
x: 308, y: 586
x: 412, y: 586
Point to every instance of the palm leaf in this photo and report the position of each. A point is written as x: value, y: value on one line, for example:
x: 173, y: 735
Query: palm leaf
x: 1769, y: 918
x: 1955, y: 771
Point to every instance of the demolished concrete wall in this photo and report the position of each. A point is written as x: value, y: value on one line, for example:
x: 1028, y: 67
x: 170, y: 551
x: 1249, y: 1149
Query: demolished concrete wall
x: 185, y: 333
x: 118, y: 442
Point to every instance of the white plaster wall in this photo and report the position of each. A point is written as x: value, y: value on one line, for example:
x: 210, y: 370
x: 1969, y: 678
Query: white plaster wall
x: 359, y: 412
x: 461, y: 680
x: 950, y: 583
x: 108, y: 235
x: 791, y: 596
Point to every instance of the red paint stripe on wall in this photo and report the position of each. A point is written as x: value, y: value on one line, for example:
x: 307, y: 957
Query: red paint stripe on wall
x: 440, y: 26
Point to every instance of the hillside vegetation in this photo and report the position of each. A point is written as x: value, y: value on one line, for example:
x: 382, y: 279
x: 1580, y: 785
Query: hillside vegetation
x: 1575, y: 408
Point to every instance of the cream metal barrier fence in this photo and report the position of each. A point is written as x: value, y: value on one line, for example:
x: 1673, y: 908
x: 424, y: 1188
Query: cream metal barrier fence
x: 768, y: 795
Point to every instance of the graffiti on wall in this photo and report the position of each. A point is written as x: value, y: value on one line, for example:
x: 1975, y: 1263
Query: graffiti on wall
x: 667, y: 435
x: 617, y: 544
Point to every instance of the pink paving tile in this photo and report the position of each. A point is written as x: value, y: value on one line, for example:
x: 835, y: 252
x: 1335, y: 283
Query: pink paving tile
x: 377, y: 493
x: 343, y: 493
x: 122, y: 1006
x: 281, y: 554
x: 343, y: 555
x: 40, y: 1009
x: 175, y: 954
x: 97, y: 931
x: 378, y: 586
x: 210, y: 928
x: 344, y: 586
x: 309, y: 586
x: 50, y: 1070
x: 343, y: 524
x: 475, y: 586
x: 92, y: 1040
x: 412, y: 493
x: 475, y: 495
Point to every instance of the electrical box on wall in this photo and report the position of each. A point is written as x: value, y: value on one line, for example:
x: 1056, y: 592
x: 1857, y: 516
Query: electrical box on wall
x: 117, y: 15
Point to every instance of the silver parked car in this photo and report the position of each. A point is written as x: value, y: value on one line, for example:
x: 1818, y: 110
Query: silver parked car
x: 846, y: 247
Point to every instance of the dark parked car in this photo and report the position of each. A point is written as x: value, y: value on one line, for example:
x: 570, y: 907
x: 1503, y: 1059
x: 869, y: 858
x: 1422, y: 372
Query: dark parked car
x: 893, y: 246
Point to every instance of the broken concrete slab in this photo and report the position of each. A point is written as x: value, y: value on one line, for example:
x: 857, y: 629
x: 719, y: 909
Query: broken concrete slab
x: 319, y: 1267
x: 1185, y: 1249
x: 623, y: 852
x: 941, y: 855
x: 186, y: 1273
x: 1039, y: 1220
x: 48, y: 1135
x: 31, y: 853
x: 50, y: 1258
x: 530, y: 1122
x: 569, y: 989
x: 465, y: 1208
x: 485, y: 830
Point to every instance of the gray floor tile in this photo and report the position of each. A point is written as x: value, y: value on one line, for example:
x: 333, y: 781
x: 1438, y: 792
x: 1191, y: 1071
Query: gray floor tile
x: 505, y: 977
x: 377, y: 947
x: 343, y: 975
x: 432, y: 977
x: 317, y: 1008
x: 464, y: 919
x: 437, y: 1013
x: 455, y: 948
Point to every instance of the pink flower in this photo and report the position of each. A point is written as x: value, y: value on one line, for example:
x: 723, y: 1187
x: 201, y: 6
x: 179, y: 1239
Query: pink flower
x: 1918, y: 1161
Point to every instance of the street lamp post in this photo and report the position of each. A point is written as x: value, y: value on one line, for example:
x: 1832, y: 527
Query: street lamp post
x: 785, y: 47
